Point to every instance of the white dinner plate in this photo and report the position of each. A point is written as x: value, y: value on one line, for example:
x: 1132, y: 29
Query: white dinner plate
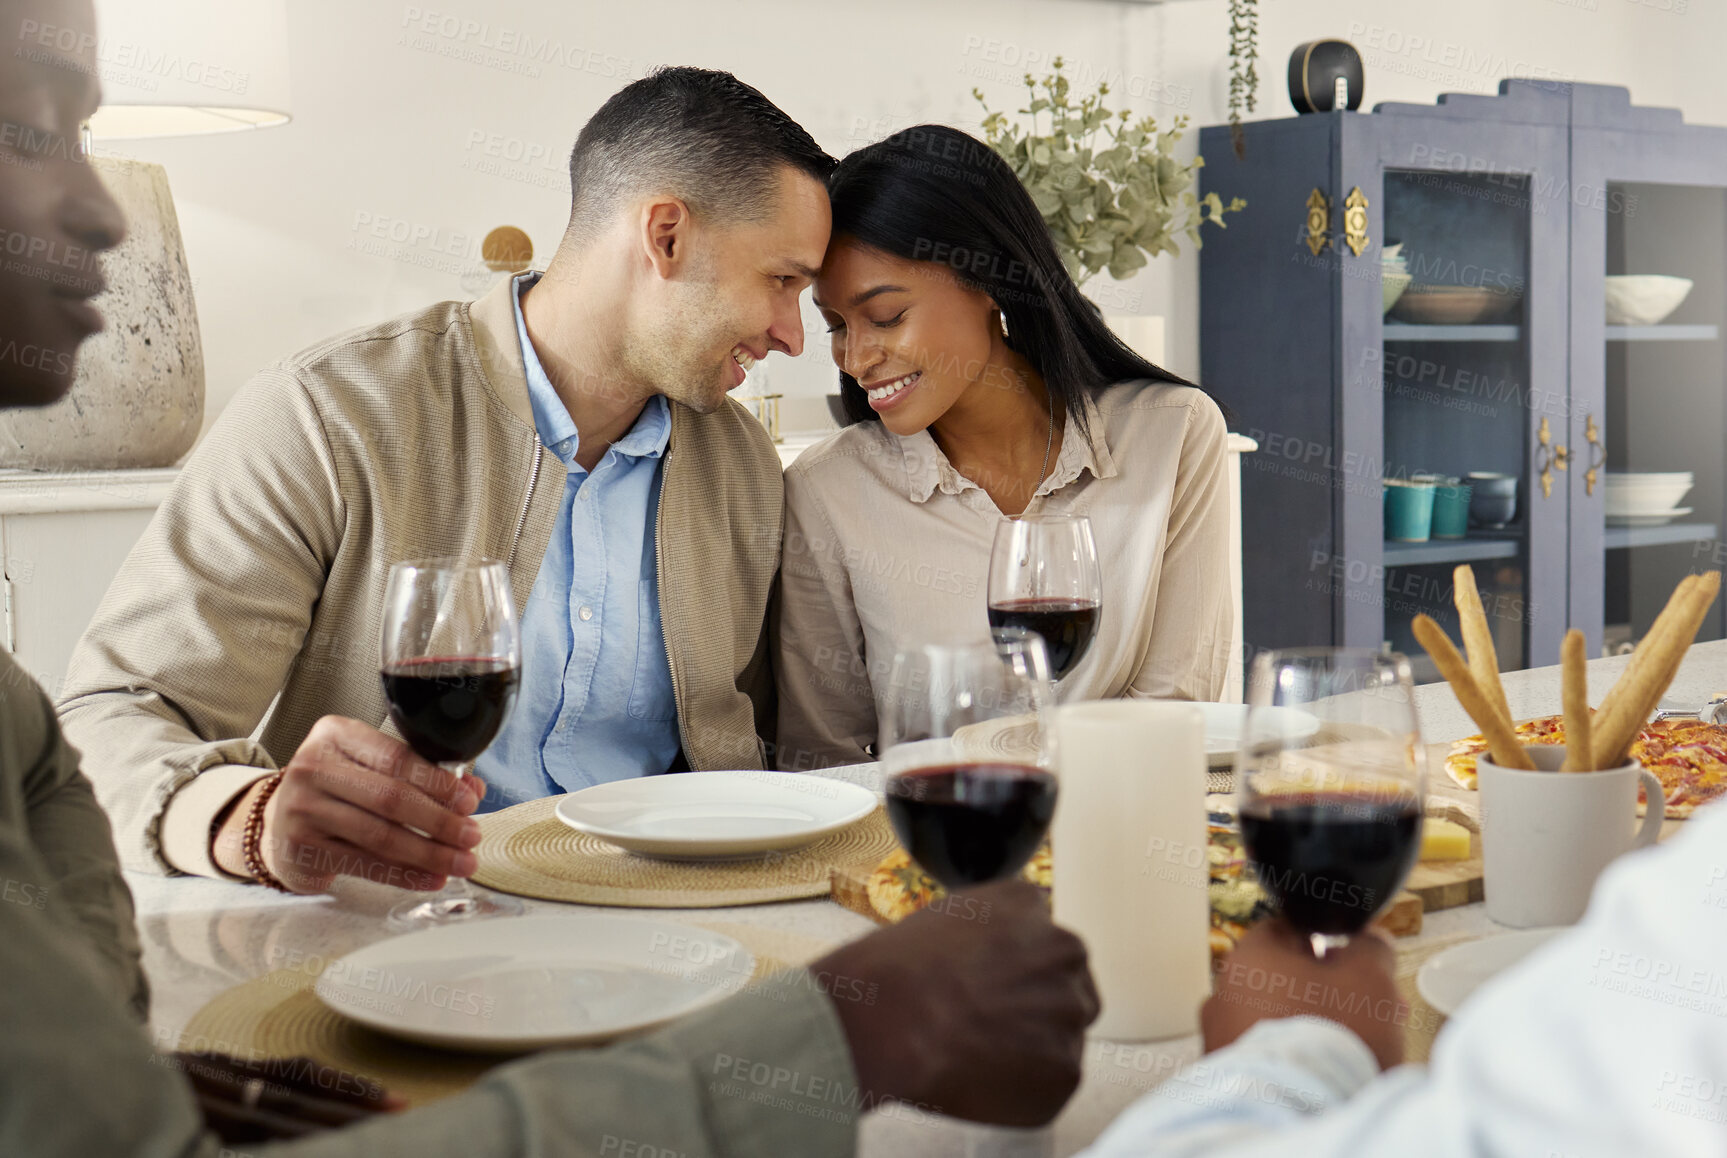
x: 523, y: 983
x: 1655, y: 519
x: 1447, y: 979
x: 706, y: 815
x: 1223, y: 729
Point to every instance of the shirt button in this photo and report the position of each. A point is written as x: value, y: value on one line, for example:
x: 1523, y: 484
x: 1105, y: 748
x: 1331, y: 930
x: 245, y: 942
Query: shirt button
x: 586, y: 613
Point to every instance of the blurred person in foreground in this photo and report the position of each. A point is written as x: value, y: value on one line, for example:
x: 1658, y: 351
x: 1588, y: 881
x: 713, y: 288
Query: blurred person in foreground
x: 1610, y: 1040
x: 982, y: 1019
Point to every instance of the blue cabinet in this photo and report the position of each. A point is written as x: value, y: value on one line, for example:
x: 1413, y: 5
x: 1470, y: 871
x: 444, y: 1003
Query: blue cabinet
x: 1513, y: 219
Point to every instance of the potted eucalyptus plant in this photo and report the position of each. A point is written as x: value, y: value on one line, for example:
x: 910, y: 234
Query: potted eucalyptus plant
x: 1110, y: 188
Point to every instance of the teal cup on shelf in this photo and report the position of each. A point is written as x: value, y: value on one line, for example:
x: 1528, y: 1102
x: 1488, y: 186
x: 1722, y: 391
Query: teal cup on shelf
x: 1408, y: 510
x: 1451, y: 509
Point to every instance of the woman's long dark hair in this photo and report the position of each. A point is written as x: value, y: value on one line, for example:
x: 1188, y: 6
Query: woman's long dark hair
x: 931, y: 193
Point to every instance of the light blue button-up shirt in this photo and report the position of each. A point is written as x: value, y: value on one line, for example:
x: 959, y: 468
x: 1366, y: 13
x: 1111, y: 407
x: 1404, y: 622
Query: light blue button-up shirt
x: 596, y: 698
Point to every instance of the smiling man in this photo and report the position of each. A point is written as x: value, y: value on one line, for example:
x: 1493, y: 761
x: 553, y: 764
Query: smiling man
x: 574, y: 425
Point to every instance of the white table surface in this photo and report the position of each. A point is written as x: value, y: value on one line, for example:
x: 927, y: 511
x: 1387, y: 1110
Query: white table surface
x: 202, y: 937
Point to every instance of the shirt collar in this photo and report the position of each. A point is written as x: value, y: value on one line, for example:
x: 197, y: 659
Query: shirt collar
x: 927, y: 468
x: 557, y: 430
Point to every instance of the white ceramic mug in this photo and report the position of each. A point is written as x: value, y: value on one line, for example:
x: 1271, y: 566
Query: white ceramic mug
x: 1547, y: 835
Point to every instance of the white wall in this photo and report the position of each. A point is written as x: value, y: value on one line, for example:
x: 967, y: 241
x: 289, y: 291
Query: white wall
x: 396, y: 127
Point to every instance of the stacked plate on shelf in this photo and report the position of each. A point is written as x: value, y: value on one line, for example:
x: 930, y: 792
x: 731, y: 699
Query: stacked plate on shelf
x: 1646, y: 498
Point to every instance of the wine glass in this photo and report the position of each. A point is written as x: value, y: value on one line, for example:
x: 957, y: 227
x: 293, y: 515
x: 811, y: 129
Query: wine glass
x: 1043, y: 577
x: 968, y: 752
x: 451, y: 660
x: 1329, y: 785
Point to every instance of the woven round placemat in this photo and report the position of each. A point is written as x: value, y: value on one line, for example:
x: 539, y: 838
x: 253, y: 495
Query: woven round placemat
x: 528, y: 851
x: 278, y: 1016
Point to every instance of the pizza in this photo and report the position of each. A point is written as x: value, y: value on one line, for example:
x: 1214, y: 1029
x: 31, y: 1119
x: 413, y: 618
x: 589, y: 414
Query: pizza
x: 1689, y: 757
x: 898, y: 887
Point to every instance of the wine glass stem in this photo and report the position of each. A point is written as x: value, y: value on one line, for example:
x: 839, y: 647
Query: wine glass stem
x: 1323, y: 943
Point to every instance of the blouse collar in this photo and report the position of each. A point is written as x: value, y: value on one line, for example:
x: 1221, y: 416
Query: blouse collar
x: 927, y: 468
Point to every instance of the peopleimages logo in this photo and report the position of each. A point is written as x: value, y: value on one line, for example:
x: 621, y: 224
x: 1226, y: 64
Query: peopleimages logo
x: 141, y: 66
x: 138, y: 66
x: 463, y: 38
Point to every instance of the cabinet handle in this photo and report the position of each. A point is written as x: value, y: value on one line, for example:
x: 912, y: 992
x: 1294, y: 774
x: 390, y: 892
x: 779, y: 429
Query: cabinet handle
x: 1355, y: 221
x: 1318, y: 222
x: 1597, y: 453
x: 1549, y: 457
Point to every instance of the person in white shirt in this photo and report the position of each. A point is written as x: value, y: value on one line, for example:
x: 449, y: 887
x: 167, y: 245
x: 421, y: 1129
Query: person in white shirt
x: 1610, y: 1040
x: 979, y: 383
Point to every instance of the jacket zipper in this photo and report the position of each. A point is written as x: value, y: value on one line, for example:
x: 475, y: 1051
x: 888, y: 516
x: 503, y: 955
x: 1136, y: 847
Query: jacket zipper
x: 527, y: 501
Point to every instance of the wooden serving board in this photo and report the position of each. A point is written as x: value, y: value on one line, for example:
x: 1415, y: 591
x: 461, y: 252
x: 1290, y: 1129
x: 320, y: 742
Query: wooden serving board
x: 851, y: 891
x: 1450, y: 884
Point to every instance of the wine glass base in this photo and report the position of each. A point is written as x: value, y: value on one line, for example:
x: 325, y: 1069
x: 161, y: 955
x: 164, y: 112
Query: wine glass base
x: 1323, y: 943
x: 452, y: 908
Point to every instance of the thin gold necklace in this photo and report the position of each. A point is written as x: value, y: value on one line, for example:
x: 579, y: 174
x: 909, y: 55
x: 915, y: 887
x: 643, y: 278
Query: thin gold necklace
x: 1048, y: 442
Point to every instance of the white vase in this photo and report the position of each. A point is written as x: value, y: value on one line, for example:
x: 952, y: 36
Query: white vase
x: 138, y: 400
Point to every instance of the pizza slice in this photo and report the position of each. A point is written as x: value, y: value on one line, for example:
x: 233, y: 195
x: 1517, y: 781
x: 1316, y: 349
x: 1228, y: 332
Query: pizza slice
x: 898, y: 887
x: 1689, y: 757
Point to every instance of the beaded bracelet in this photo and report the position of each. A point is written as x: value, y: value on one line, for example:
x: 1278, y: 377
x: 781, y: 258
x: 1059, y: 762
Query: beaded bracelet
x: 251, y: 843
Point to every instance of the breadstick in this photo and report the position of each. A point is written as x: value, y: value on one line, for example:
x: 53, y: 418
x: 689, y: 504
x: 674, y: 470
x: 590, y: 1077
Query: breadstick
x: 1501, y: 739
x: 1614, y: 705
x: 1579, y: 756
x: 1478, y: 637
x: 1613, y: 738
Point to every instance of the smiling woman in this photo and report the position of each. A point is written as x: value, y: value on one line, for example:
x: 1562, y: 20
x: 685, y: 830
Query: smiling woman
x: 979, y: 384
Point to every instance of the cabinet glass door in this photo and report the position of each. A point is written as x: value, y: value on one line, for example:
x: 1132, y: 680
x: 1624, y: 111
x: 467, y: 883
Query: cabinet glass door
x: 1458, y: 407
x: 1660, y: 441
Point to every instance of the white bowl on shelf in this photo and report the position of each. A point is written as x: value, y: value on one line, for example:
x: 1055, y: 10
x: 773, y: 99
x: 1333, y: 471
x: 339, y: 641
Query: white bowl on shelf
x: 1624, y: 477
x: 1646, y: 502
x: 1393, y: 284
x: 1644, y: 299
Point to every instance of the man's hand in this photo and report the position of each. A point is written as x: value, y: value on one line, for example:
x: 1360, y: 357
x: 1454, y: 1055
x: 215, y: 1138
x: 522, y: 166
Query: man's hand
x: 980, y: 1007
x: 1273, y: 973
x: 347, y: 805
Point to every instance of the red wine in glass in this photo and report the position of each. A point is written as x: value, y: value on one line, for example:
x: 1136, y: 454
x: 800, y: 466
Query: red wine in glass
x: 449, y: 656
x: 1331, y: 860
x: 1067, y: 625
x: 965, y: 824
x: 1044, y: 578
x: 449, y: 709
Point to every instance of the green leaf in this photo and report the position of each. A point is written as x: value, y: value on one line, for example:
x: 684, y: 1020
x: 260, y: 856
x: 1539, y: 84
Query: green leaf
x: 1126, y: 260
x: 1047, y: 200
x: 1095, y: 244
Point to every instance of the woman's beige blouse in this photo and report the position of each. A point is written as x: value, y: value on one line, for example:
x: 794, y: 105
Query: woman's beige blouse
x: 887, y: 546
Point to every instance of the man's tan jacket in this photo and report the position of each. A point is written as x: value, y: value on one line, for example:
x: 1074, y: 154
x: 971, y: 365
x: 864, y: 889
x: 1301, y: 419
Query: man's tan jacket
x: 251, y: 606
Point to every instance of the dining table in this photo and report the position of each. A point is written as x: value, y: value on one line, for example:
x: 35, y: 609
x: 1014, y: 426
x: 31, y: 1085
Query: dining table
x: 202, y: 937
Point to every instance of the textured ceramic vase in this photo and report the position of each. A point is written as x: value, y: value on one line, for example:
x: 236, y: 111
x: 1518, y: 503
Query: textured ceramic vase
x: 139, y: 397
